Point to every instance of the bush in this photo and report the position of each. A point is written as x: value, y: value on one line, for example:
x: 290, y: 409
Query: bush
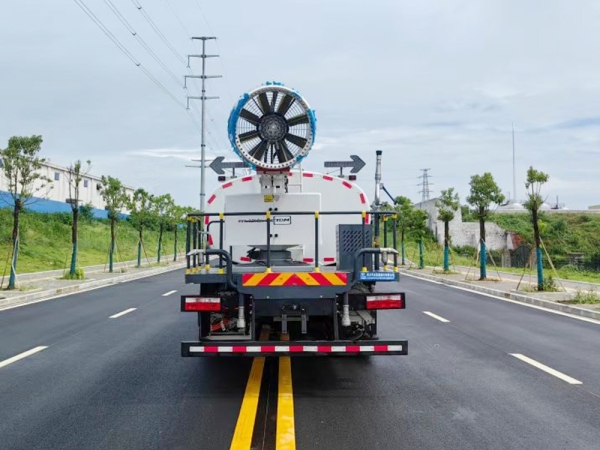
x: 86, y: 212
x: 550, y: 284
x: 78, y: 275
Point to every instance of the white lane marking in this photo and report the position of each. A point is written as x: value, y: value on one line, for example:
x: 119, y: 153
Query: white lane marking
x: 546, y: 369
x: 516, y: 302
x: 435, y: 316
x: 166, y: 294
x: 122, y: 313
x: 8, y: 361
x: 86, y: 289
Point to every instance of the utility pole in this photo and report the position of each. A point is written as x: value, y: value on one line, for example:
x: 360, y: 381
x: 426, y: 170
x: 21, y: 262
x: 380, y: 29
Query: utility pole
x: 202, y: 97
x: 514, y: 167
x: 425, y: 191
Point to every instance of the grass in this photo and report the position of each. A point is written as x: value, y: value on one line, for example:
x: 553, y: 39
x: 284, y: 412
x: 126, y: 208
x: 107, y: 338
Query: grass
x: 46, y: 242
x: 433, y: 255
x: 590, y: 297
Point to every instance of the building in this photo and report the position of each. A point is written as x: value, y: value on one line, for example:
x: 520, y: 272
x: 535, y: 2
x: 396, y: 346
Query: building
x: 56, y: 197
x: 464, y: 233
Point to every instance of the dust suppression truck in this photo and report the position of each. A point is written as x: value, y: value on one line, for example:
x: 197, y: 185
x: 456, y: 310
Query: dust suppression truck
x: 288, y: 261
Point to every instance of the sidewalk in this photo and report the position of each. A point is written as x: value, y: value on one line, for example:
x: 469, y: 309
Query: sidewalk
x: 39, y: 286
x: 504, y: 284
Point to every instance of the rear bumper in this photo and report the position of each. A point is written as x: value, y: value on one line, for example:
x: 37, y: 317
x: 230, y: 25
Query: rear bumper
x: 294, y: 348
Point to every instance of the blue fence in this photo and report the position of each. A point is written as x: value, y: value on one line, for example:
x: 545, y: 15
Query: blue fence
x: 47, y: 206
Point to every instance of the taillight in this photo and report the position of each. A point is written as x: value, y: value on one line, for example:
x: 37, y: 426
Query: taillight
x: 196, y: 303
x: 387, y: 301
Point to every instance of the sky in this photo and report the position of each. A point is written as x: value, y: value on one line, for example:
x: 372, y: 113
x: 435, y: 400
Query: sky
x: 433, y: 84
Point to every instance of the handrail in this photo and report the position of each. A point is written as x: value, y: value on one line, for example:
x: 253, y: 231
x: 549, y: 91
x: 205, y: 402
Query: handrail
x: 193, y: 220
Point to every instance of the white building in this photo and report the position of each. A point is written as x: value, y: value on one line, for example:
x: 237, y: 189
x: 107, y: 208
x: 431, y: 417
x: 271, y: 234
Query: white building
x: 57, y: 193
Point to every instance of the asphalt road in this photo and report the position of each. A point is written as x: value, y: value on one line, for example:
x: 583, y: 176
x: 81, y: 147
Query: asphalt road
x: 120, y: 383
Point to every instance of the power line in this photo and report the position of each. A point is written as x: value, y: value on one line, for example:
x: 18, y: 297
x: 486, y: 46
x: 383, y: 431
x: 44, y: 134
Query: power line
x: 219, y: 51
x: 158, y: 32
x: 146, y: 47
x: 132, y: 58
x: 168, y: 44
x: 126, y: 52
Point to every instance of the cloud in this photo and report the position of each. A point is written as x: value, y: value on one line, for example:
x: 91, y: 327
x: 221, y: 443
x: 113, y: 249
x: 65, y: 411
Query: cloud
x: 579, y: 123
x: 184, y: 154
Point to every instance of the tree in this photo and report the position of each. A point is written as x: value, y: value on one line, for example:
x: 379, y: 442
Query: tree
x: 177, y: 217
x: 535, y: 180
x: 75, y: 174
x: 161, y: 206
x: 140, y: 208
x: 447, y: 205
x: 404, y: 209
x: 21, y: 163
x: 418, y: 228
x: 115, y: 197
x: 484, y: 193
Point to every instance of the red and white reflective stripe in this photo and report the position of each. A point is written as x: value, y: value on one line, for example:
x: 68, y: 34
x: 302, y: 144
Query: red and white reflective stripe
x: 245, y: 258
x: 328, y: 177
x: 210, y: 240
x: 202, y: 304
x: 247, y: 179
x: 384, y: 302
x: 308, y: 260
x: 226, y: 185
x: 363, y: 199
x: 307, y: 174
x: 348, y: 185
x: 212, y: 199
x: 329, y: 259
x: 294, y: 348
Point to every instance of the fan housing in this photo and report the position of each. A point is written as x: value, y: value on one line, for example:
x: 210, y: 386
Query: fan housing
x: 272, y: 127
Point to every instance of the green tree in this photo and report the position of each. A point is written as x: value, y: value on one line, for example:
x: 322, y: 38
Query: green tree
x: 418, y: 229
x: 140, y: 207
x: 177, y: 217
x: 404, y: 209
x: 115, y: 197
x: 484, y: 193
x: 447, y: 205
x: 20, y: 164
x: 535, y: 180
x: 75, y: 174
x: 161, y: 207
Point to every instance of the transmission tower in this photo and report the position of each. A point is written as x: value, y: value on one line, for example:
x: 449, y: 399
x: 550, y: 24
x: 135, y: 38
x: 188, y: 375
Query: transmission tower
x: 425, y: 184
x: 202, y: 97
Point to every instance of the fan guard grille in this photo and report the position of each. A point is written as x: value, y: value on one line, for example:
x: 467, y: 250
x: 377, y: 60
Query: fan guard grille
x: 272, y: 127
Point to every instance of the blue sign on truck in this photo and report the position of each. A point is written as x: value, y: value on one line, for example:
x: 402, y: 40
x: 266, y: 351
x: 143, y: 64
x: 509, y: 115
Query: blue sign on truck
x: 378, y: 276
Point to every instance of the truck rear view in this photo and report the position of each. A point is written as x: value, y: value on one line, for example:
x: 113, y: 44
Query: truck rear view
x: 286, y: 250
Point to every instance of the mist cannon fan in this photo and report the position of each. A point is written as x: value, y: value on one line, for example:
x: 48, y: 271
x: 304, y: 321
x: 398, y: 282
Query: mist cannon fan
x: 272, y: 127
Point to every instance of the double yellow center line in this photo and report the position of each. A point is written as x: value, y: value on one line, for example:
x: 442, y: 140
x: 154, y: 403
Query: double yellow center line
x: 286, y: 430
x: 286, y: 434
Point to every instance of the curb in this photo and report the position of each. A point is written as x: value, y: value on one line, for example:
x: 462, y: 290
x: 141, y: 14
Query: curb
x: 39, y: 296
x: 510, y: 295
x: 50, y: 274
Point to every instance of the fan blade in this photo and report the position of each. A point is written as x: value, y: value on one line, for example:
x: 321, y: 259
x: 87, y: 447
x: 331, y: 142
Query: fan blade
x: 274, y: 100
x: 297, y: 120
x: 285, y: 105
x: 249, y: 135
x: 259, y: 150
x: 299, y: 141
x: 264, y: 103
x: 283, y: 153
x: 250, y: 117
